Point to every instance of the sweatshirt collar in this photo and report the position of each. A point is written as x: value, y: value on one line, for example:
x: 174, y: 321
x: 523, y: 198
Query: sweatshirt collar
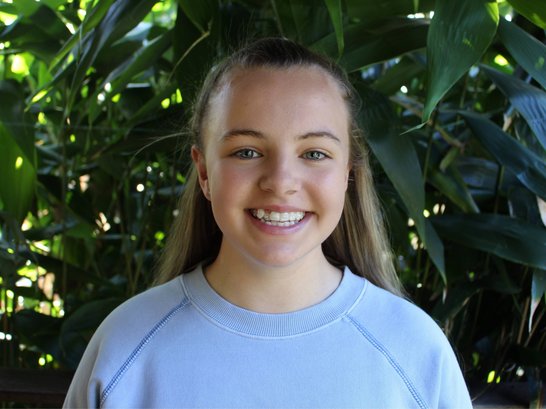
x: 250, y: 323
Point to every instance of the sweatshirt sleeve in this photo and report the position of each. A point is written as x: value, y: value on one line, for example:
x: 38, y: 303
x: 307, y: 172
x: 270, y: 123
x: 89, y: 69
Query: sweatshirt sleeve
x: 453, y: 392
x: 85, y: 390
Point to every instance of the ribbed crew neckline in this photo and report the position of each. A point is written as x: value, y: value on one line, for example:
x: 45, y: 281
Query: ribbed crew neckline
x: 250, y: 323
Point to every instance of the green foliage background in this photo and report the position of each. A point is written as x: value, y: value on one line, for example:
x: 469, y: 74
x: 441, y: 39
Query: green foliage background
x: 94, y: 97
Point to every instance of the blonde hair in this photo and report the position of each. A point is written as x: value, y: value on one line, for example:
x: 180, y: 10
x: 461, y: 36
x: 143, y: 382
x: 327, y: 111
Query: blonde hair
x: 359, y: 241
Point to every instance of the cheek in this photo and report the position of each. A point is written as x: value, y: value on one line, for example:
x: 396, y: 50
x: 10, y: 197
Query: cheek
x: 227, y: 181
x: 331, y: 188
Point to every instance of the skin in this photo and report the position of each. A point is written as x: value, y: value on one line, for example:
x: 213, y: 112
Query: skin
x: 275, y: 139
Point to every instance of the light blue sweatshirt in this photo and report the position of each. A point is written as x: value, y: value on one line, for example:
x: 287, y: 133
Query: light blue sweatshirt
x: 182, y: 345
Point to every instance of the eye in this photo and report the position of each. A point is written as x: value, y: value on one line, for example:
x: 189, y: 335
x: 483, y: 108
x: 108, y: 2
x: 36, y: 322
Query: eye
x: 314, y: 155
x: 247, y: 154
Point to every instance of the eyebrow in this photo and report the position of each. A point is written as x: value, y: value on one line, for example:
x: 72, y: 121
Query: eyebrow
x: 255, y: 134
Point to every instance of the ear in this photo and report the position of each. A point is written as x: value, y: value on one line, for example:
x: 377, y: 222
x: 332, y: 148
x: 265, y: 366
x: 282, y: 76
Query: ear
x: 200, y: 164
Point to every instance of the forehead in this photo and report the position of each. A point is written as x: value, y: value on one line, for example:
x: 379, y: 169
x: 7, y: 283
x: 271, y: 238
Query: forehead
x: 310, y: 81
x: 295, y: 99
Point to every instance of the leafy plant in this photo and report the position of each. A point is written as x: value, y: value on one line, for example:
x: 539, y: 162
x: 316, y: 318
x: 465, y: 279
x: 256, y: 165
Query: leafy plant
x: 93, y: 103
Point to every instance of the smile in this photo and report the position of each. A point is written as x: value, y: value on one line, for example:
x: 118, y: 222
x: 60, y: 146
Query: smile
x: 281, y: 219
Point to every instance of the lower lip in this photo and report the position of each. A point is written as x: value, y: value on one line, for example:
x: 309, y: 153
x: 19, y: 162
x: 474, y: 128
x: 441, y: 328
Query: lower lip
x: 278, y: 230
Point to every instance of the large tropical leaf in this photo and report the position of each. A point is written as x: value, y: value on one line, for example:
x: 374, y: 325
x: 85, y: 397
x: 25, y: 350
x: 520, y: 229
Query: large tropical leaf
x: 365, y: 46
x: 527, y: 99
x: 403, y: 73
x: 304, y: 21
x: 377, y: 10
x: 77, y: 328
x: 200, y: 13
x: 121, y: 17
x: 535, y: 11
x: 14, y: 119
x: 454, y: 189
x: 17, y: 155
x: 538, y: 291
x: 18, y: 177
x: 336, y: 14
x: 459, y: 34
x: 506, y: 237
x: 92, y: 19
x: 527, y: 50
x: 528, y: 167
x: 123, y: 74
x: 400, y: 162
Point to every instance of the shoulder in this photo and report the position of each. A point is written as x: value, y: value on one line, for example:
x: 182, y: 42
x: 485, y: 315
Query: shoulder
x: 138, y: 319
x: 119, y: 340
x: 393, y: 318
x: 414, y: 346
x: 145, y: 310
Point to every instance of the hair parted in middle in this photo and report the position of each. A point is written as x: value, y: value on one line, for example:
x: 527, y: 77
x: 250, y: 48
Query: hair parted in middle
x: 359, y: 241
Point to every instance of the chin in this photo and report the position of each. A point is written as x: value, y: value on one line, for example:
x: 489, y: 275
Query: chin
x: 280, y: 260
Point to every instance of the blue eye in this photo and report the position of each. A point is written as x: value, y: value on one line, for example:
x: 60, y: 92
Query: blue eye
x: 247, y: 154
x: 314, y: 155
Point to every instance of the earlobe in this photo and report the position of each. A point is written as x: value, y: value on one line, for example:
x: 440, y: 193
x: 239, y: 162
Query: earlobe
x: 200, y: 164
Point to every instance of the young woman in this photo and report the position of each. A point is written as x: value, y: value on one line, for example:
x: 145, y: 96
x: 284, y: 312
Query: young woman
x: 276, y: 288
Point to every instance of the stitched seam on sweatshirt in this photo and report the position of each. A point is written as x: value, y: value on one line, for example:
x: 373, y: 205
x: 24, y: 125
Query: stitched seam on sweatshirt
x: 391, y: 361
x: 132, y: 358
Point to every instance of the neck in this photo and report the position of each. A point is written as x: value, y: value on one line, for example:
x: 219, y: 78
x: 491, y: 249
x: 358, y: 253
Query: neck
x: 273, y: 289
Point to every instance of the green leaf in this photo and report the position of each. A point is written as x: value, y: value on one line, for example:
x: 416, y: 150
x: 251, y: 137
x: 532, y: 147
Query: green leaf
x: 538, y: 290
x: 150, y: 107
x: 527, y: 50
x: 455, y: 301
x: 454, y: 189
x: 459, y: 34
x: 39, y: 330
x: 457, y: 297
x: 506, y: 237
x: 376, y: 10
x: 399, y: 160
x: 528, y: 167
x: 78, y: 327
x: 8, y: 8
x: 18, y: 177
x: 200, y: 13
x: 123, y: 74
x: 364, y: 47
x: 336, y: 14
x: 54, y: 265
x: 527, y: 99
x: 534, y: 11
x: 50, y: 23
x: 303, y: 21
x: 26, y: 7
x: 121, y: 17
x: 193, y: 54
x: 17, y: 156
x: 92, y: 19
x: 400, y: 74
x: 14, y: 120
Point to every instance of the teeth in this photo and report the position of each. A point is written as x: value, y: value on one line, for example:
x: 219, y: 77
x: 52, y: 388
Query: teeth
x: 277, y: 218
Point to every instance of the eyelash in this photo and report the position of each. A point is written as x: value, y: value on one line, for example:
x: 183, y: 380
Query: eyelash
x: 310, y: 155
x: 241, y: 154
x: 307, y: 155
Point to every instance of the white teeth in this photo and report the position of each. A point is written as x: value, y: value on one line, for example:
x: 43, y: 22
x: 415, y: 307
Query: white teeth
x: 277, y: 218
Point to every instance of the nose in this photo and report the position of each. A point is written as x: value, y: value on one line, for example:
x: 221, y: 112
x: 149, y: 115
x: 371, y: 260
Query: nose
x: 280, y: 176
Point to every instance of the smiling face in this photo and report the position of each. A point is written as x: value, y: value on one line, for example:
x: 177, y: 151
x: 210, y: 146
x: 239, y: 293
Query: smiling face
x: 275, y: 163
